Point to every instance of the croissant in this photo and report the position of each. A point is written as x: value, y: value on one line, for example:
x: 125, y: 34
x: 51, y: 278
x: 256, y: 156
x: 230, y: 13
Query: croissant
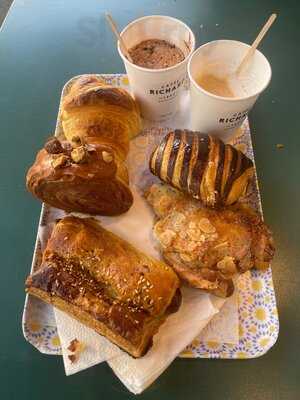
x: 87, y: 172
x: 202, y: 166
x: 102, y: 112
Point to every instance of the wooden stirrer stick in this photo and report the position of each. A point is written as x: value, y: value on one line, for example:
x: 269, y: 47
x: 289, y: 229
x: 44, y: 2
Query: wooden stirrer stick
x: 114, y: 28
x: 256, y: 42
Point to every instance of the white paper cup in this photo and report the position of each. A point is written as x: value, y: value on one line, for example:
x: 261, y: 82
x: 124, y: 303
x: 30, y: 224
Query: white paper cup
x: 158, y: 91
x: 223, y: 115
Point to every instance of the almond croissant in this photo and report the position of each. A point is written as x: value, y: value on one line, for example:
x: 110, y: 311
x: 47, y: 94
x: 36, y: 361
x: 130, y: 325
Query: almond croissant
x: 202, y: 166
x: 208, y: 247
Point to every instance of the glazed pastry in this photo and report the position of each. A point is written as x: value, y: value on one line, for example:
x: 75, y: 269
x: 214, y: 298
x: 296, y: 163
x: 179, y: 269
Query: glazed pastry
x: 202, y: 166
x: 101, y: 112
x: 87, y: 172
x: 88, y: 178
x: 208, y: 247
x: 105, y: 283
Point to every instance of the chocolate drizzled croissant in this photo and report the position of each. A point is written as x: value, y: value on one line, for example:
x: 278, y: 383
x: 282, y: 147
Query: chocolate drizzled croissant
x: 203, y: 166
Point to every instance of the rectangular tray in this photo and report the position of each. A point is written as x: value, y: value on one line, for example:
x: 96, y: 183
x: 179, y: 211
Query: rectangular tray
x: 258, y: 318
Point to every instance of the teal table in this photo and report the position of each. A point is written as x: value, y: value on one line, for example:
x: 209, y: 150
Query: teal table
x: 42, y: 45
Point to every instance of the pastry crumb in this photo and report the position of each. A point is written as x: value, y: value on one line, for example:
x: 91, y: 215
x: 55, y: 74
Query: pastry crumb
x: 72, y: 358
x: 76, y: 347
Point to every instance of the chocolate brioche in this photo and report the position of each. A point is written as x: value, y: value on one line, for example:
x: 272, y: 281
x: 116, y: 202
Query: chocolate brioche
x: 90, y: 178
x: 105, y: 283
x: 202, y: 166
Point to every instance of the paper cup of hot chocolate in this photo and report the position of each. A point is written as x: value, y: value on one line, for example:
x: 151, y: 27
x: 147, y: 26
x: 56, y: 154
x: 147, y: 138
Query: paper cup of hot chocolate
x: 221, y: 99
x: 158, y: 91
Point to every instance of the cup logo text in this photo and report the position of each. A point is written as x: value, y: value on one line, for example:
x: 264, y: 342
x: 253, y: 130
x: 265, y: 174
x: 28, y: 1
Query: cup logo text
x: 233, y: 120
x: 168, y: 90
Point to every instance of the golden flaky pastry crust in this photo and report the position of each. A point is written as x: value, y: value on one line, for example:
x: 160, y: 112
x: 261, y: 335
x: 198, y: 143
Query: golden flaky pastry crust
x: 92, y: 179
x: 208, y: 247
x: 105, y: 283
x: 97, y: 110
x: 97, y: 185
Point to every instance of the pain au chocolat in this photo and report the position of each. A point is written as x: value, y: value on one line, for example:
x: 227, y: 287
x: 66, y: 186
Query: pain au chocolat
x: 105, y: 283
x: 202, y: 166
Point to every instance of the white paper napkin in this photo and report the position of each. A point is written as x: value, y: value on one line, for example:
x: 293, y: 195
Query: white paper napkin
x: 224, y: 326
x: 197, y: 311
x: 96, y: 348
x: 174, y: 335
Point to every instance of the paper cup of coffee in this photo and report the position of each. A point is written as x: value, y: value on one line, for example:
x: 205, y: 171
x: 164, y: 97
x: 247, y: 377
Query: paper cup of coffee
x: 221, y: 99
x: 158, y: 91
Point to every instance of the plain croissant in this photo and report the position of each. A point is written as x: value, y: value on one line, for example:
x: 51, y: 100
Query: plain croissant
x: 87, y: 172
x: 202, y: 166
x: 104, y: 113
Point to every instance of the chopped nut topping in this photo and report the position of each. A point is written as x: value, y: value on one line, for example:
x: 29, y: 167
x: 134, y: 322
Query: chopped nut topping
x: 61, y: 161
x: 195, y: 234
x: 90, y: 147
x: 107, y: 157
x: 67, y: 148
x: 79, y: 155
x: 53, y: 146
x: 166, y: 237
x: 186, y: 257
x: 177, y: 220
x: 191, y: 245
x: 227, y: 265
x: 206, y: 226
x: 221, y: 245
x: 76, y: 141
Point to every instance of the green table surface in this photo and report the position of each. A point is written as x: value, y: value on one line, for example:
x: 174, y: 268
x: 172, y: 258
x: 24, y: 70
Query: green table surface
x: 43, y: 44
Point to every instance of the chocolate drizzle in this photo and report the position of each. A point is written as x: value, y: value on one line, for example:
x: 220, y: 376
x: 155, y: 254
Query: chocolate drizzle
x: 194, y: 163
x: 176, y: 141
x: 231, y: 172
x: 221, y: 160
x: 201, y: 162
x: 188, y: 148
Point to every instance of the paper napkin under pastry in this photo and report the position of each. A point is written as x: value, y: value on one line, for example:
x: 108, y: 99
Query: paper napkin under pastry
x: 174, y: 335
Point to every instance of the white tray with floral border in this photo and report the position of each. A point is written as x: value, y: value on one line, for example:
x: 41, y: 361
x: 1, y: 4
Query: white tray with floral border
x: 257, y: 312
